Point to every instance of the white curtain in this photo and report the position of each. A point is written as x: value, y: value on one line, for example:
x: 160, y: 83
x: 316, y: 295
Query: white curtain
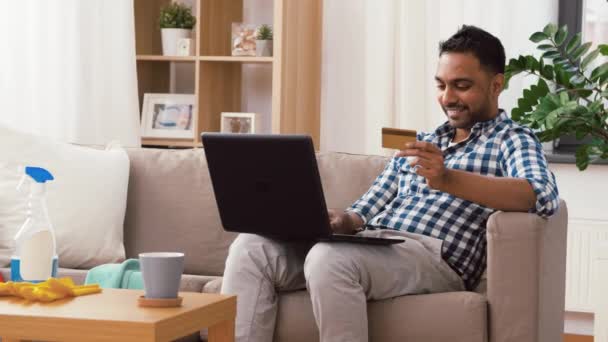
x: 380, y: 56
x: 68, y: 70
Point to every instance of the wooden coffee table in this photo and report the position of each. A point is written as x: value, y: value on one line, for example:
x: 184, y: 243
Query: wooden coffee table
x: 113, y: 315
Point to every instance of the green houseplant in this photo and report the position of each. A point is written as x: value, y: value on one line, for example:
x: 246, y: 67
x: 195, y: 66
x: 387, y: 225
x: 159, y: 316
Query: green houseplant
x: 176, y: 15
x: 571, y: 96
x: 263, y: 40
x: 176, y: 22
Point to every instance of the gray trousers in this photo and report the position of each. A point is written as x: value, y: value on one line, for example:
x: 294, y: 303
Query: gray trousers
x: 340, y: 278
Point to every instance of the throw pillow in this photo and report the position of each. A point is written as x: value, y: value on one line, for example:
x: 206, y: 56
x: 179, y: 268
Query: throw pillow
x: 86, y: 201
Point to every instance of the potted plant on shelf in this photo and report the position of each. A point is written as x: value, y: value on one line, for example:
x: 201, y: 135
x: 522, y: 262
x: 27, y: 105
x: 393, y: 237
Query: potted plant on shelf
x: 263, y: 41
x: 176, y: 21
x: 571, y: 96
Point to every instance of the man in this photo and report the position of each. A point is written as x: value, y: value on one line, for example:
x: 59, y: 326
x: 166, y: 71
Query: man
x: 437, y: 192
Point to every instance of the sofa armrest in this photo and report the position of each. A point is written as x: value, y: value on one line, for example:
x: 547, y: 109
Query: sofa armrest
x: 526, y: 276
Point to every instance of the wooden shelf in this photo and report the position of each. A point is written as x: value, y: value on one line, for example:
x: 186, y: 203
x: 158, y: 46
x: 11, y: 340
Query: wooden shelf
x: 155, y: 58
x: 244, y: 59
x: 168, y: 142
x: 295, y: 68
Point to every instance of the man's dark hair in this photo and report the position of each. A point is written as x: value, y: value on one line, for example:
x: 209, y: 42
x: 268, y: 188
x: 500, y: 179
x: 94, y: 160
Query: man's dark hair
x: 487, y: 48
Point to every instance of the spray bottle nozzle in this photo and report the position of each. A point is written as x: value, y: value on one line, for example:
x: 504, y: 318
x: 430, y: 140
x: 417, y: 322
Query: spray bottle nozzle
x: 38, y: 174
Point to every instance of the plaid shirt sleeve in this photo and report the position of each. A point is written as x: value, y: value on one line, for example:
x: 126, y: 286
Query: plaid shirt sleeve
x: 523, y: 157
x: 382, y: 191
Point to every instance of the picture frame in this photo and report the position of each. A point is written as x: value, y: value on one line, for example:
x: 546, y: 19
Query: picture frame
x: 247, y: 123
x: 243, y: 39
x: 168, y: 116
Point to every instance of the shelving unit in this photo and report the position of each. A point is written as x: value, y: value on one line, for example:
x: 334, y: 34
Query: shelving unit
x: 296, y: 65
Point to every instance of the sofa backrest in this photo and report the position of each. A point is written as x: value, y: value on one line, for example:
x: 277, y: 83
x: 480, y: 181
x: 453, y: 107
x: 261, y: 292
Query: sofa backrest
x: 171, y: 205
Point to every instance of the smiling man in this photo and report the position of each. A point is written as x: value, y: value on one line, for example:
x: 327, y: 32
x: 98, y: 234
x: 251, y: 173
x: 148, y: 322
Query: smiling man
x: 437, y: 193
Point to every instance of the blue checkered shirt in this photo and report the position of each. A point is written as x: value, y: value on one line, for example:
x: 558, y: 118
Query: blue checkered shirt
x: 400, y: 199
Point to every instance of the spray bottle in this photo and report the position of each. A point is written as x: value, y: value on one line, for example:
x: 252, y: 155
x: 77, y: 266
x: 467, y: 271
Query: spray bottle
x: 35, y: 257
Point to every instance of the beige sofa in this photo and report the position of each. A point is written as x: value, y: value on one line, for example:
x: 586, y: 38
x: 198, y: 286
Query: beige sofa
x: 171, y: 207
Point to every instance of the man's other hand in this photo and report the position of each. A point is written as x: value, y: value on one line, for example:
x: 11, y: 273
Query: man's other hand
x: 341, y: 222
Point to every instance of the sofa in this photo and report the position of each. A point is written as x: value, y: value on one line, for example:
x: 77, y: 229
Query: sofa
x: 171, y: 207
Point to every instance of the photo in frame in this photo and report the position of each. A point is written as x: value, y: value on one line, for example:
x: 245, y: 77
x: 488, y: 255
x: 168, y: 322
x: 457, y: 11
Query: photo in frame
x: 168, y: 116
x: 240, y: 123
x: 243, y: 39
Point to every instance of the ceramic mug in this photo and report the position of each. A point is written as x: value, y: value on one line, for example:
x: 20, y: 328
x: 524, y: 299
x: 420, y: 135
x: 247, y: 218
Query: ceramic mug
x: 162, y: 273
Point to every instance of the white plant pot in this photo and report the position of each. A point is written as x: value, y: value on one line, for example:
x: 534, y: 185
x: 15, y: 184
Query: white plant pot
x: 169, y: 38
x: 263, y: 48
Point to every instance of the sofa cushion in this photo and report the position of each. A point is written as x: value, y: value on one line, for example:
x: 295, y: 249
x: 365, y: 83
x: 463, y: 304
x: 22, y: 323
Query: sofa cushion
x: 86, y: 200
x: 171, y: 207
x: 461, y: 317
x: 346, y: 177
x: 452, y: 316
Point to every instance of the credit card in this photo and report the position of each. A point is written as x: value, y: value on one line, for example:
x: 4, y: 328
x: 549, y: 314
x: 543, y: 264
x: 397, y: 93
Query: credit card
x: 396, y: 138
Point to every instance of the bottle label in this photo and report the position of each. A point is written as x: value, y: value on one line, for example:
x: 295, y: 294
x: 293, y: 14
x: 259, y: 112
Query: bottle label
x: 37, y: 256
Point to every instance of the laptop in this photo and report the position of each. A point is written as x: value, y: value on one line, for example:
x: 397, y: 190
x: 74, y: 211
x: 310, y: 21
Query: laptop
x: 270, y: 185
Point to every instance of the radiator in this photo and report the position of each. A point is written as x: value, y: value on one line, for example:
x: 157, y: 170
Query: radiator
x: 583, y: 239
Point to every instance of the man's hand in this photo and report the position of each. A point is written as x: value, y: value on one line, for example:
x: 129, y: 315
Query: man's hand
x: 428, y: 162
x: 502, y: 193
x: 343, y: 223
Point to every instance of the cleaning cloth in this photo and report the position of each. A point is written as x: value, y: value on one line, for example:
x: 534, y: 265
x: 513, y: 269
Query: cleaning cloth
x: 47, y: 291
x: 126, y: 275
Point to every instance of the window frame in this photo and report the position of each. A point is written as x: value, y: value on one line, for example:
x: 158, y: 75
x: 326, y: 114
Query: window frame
x: 570, y: 13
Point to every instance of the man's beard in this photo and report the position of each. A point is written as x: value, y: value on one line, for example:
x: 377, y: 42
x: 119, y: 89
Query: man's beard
x: 459, y: 116
x: 467, y: 118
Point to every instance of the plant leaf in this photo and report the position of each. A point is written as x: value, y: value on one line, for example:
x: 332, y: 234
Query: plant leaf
x: 561, y: 35
x: 543, y: 88
x: 562, y: 77
x: 589, y: 58
x: 515, y: 64
x: 547, y: 135
x: 551, y: 54
x: 516, y: 114
x: 595, y: 106
x: 524, y: 104
x: 582, y: 157
x: 598, y: 72
x: 550, y: 29
x: 584, y: 93
x: 603, y: 49
x: 551, y: 119
x: 576, y: 79
x: 581, y: 50
x: 582, y: 132
x: 531, y: 63
x: 574, y: 42
x: 563, y: 97
x: 554, y: 98
x: 546, y: 105
x: 547, y: 72
x: 538, y: 37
